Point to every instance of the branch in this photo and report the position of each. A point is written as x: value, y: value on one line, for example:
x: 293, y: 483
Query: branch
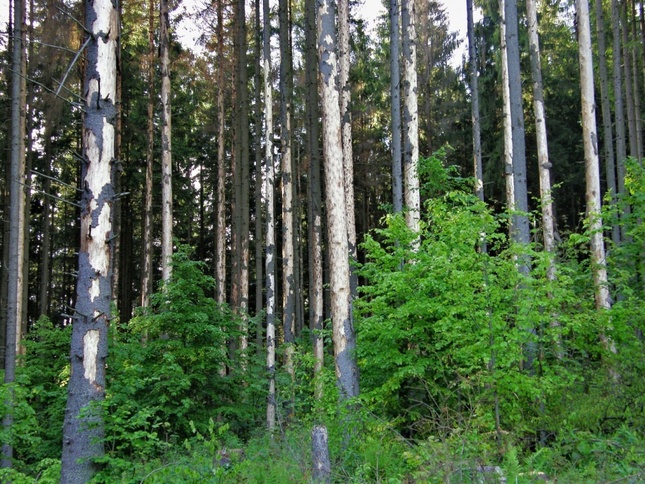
x: 76, y: 57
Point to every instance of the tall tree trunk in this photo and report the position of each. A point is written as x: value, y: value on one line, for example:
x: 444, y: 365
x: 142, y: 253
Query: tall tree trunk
x: 270, y: 211
x: 220, y: 222
x: 410, y: 117
x: 166, y: 144
x: 395, y: 95
x: 259, y: 284
x: 314, y: 211
x: 619, y: 110
x: 83, y: 427
x: 146, y: 273
x: 44, y: 282
x: 506, y: 112
x: 343, y: 326
x: 474, y: 93
x: 608, y: 137
x: 637, y: 89
x: 520, y: 220
x: 544, y: 164
x: 15, y: 269
x: 629, y: 83
x: 288, y: 249
x: 346, y: 133
x: 592, y: 170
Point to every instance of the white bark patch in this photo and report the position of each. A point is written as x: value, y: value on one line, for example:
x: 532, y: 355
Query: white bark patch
x: 97, y: 250
x: 90, y: 353
x: 95, y: 290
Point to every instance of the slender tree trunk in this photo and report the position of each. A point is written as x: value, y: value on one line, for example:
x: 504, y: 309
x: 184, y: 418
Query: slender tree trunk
x: 259, y: 284
x: 544, y: 164
x: 520, y: 219
x: 637, y: 89
x: 343, y: 327
x: 619, y: 113
x: 474, y: 92
x: 220, y: 223
x: 119, y: 289
x: 15, y: 270
x: 44, y: 282
x: 508, y: 131
x: 629, y: 83
x: 592, y: 170
x: 314, y: 211
x: 146, y: 274
x: 288, y: 249
x: 395, y: 94
x: 83, y: 427
x: 346, y: 133
x: 608, y: 137
x: 270, y: 212
x: 166, y: 145
x: 410, y: 117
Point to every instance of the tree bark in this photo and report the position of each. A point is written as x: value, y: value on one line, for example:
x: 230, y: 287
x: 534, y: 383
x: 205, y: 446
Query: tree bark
x: 320, y: 453
x: 220, y: 222
x: 608, y: 137
x: 506, y: 112
x: 629, y: 82
x: 343, y: 327
x: 166, y: 145
x: 146, y: 274
x: 269, y: 185
x: 83, y: 427
x: 474, y: 93
x: 259, y: 283
x: 314, y: 211
x: 410, y: 118
x: 15, y: 266
x: 395, y: 94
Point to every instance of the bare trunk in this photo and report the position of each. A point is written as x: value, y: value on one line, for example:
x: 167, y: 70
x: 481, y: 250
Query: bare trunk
x: 343, y: 327
x: 629, y: 84
x: 146, y: 275
x: 220, y: 232
x: 259, y: 284
x: 166, y: 145
x: 314, y: 212
x: 619, y: 110
x: 474, y: 93
x: 608, y: 137
x: 270, y: 213
x: 83, y: 427
x: 395, y: 94
x: 410, y: 117
x: 15, y: 266
x: 508, y: 132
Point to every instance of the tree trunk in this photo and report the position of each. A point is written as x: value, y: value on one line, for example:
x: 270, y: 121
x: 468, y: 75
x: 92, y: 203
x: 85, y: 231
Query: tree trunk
x: 608, y: 137
x: 15, y: 267
x: 288, y: 249
x: 410, y: 117
x: 220, y: 222
x: 508, y: 131
x: 146, y: 273
x: 520, y: 220
x: 166, y: 145
x: 343, y: 327
x: 629, y: 84
x: 544, y: 165
x: 314, y: 211
x: 474, y: 93
x: 83, y: 427
x: 592, y: 170
x: 637, y: 89
x: 619, y: 110
x: 320, y: 453
x: 395, y: 94
x: 270, y: 213
x: 259, y: 284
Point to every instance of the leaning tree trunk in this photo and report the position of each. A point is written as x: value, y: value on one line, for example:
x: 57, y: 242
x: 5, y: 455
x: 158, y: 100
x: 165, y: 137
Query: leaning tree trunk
x: 166, y: 145
x: 343, y: 326
x: 410, y: 117
x: 395, y: 94
x: 83, y: 427
x: 15, y: 268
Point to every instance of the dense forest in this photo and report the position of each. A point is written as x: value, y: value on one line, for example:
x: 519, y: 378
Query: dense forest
x: 267, y: 241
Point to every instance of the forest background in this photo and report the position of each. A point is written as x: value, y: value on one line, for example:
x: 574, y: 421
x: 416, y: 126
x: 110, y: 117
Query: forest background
x: 287, y: 255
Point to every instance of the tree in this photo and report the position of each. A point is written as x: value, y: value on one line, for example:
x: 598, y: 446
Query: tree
x: 343, y: 327
x: 395, y: 94
x: 474, y: 93
x: 15, y: 269
x: 410, y: 116
x: 544, y: 164
x: 592, y: 170
x: 220, y: 203
x: 506, y: 112
x: 83, y: 427
x: 269, y: 184
x: 166, y: 144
